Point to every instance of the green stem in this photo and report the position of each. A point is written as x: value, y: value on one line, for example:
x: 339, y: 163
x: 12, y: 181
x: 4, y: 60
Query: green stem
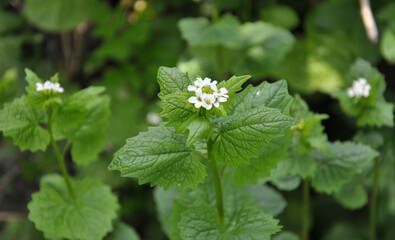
x: 217, y: 185
x: 373, y: 203
x: 216, y: 10
x: 306, y: 209
x: 59, y: 156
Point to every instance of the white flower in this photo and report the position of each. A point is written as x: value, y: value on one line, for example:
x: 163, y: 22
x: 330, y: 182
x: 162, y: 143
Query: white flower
x: 207, y: 93
x: 57, y: 88
x: 360, y: 88
x: 49, y: 86
x: 208, y: 100
x: 197, y: 99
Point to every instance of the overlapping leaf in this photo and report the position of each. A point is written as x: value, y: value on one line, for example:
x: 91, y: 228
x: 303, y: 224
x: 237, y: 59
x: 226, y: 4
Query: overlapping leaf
x: 89, y: 217
x: 159, y: 156
x: 338, y: 168
x: 22, y: 122
x: 195, y: 215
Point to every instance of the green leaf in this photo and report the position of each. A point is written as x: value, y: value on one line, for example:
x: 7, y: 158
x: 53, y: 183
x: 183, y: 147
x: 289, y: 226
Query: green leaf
x: 90, y: 216
x: 159, y: 156
x: 352, y: 195
x: 178, y: 111
x: 303, y: 165
x: 195, y: 215
x: 242, y: 135
x: 269, y: 200
x: 171, y: 80
x: 280, y: 15
x: 22, y: 123
x: 264, y: 46
x: 338, y: 168
x: 58, y: 15
x: 122, y: 232
x: 273, y: 95
x: 72, y: 113
x: 267, y: 160
x: 199, y: 128
x: 40, y: 100
x: 233, y: 84
x: 164, y: 205
x: 200, y: 32
x: 387, y: 43
x: 370, y: 111
x: 88, y: 140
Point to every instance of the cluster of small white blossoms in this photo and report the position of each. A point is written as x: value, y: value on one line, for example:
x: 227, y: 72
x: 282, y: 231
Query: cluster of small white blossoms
x: 207, y: 94
x: 360, y: 88
x: 49, y: 86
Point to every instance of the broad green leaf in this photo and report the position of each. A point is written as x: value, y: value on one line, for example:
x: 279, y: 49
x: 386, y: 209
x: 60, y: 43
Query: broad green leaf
x: 295, y: 163
x: 373, y: 139
x: 273, y: 95
x: 22, y: 122
x: 280, y: 15
x: 338, y: 168
x: 199, y: 128
x: 88, y: 140
x: 171, y: 80
x: 36, y: 99
x: 269, y: 200
x: 159, y: 156
x: 195, y: 215
x: 263, y: 165
x: 200, y: 32
x: 352, y: 195
x: 264, y: 46
x: 178, y: 111
x: 58, y: 15
x: 286, y: 236
x: 286, y: 183
x: 90, y: 216
x: 72, y: 113
x: 370, y: 111
x: 123, y: 232
x: 242, y: 135
x: 164, y: 205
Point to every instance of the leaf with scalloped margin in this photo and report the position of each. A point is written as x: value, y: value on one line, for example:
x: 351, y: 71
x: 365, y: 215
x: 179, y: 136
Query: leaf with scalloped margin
x: 195, y: 215
x: 22, y: 122
x: 346, y: 159
x: 159, y: 156
x: 172, y: 80
x: 88, y: 218
x: 241, y: 136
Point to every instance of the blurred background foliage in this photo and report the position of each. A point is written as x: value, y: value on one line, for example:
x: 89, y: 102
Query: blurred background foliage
x: 121, y: 44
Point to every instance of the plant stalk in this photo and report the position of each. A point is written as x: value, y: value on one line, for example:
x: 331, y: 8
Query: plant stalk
x: 306, y: 209
x: 216, y: 11
x: 373, y: 203
x: 59, y: 156
x: 217, y: 186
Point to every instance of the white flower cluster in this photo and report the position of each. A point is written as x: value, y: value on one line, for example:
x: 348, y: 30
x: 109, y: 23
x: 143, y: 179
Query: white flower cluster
x: 49, y: 86
x: 360, y: 88
x: 207, y: 94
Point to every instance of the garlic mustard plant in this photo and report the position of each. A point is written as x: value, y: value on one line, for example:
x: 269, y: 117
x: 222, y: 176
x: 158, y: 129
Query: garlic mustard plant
x: 360, y: 88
